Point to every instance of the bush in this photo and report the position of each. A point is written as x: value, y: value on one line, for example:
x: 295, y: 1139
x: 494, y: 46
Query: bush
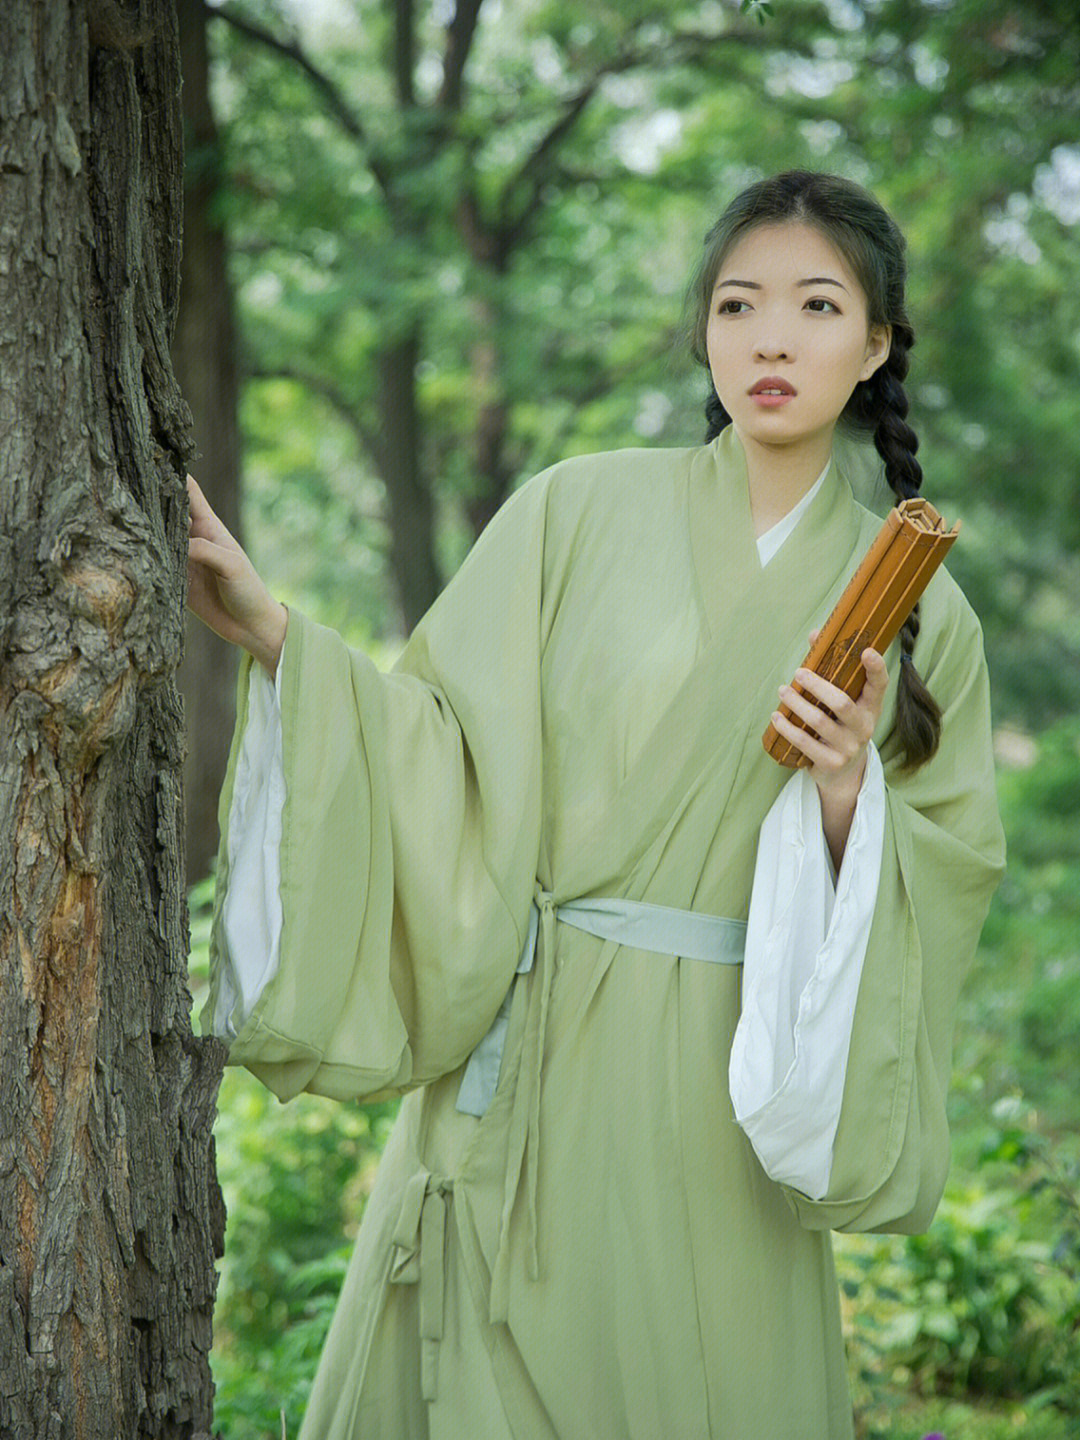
x: 295, y: 1179
x: 987, y: 1303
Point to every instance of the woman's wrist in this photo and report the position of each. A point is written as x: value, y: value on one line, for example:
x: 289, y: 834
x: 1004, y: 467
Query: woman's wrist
x: 267, y: 644
x: 838, y: 801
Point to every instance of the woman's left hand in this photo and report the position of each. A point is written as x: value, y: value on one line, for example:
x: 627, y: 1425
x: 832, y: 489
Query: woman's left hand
x: 837, y: 750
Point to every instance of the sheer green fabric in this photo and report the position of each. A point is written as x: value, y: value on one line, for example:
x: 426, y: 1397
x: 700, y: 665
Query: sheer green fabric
x: 578, y: 716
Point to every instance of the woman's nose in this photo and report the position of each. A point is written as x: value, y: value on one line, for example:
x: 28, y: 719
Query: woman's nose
x: 772, y: 347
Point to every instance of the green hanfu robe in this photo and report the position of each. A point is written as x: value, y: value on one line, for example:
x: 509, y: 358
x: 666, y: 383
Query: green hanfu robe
x: 601, y: 1256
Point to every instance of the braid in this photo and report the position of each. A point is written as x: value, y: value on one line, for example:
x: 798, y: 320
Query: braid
x: 716, y: 417
x: 883, y: 402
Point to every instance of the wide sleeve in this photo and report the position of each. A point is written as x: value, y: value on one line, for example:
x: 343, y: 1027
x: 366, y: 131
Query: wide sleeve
x: 410, y: 834
x: 942, y: 856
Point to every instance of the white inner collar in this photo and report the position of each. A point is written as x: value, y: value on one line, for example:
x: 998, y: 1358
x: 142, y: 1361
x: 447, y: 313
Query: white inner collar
x: 769, y: 543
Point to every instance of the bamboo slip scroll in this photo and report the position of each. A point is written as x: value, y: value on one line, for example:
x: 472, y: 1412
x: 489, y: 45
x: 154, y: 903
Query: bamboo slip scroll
x: 869, y: 614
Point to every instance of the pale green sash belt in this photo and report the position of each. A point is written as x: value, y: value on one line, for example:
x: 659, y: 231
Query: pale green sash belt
x: 630, y: 923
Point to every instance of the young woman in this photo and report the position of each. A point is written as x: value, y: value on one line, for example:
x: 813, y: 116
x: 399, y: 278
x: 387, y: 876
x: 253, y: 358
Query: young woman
x: 666, y: 1013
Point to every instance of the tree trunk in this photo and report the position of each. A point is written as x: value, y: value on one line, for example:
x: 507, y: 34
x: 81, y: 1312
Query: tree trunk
x: 488, y: 363
x: 204, y: 353
x: 410, y: 505
x: 110, y: 1216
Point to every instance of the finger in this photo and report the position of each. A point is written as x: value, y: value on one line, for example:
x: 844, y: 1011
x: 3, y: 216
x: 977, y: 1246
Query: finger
x: 815, y: 750
x: 814, y: 636
x: 818, y: 720
x: 219, y: 559
x: 196, y: 499
x: 204, y: 519
x: 877, y: 674
x: 823, y: 692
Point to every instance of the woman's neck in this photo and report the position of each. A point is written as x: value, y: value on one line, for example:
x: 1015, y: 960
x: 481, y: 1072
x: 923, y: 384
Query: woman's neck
x: 778, y: 477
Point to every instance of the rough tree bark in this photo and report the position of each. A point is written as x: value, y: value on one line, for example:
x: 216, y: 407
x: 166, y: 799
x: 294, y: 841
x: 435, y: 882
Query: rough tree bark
x: 110, y: 1216
x: 204, y: 353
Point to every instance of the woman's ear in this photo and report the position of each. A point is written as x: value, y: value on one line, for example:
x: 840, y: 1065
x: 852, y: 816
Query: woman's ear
x: 878, y: 345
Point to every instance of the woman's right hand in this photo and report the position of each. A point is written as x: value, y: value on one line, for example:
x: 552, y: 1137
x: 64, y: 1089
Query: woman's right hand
x: 224, y: 589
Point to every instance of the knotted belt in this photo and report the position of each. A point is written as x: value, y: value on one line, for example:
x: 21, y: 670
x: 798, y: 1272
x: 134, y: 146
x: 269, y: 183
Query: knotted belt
x: 419, y: 1258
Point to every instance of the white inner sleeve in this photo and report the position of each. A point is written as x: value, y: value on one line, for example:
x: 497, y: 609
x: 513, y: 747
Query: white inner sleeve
x: 805, y: 949
x: 251, y: 914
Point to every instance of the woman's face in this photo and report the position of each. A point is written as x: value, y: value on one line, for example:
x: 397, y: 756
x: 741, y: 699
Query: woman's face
x: 787, y: 309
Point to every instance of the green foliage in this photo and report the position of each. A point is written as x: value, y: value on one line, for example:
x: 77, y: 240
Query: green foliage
x: 983, y: 1304
x: 1021, y: 1014
x: 314, y: 516
x: 913, y: 1417
x: 294, y: 1180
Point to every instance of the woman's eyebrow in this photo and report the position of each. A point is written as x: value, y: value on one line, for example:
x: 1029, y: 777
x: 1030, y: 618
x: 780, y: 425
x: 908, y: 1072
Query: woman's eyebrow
x: 823, y: 280
x: 813, y: 280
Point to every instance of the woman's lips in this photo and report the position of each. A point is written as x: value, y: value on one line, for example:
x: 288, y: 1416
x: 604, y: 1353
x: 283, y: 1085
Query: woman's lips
x: 772, y: 392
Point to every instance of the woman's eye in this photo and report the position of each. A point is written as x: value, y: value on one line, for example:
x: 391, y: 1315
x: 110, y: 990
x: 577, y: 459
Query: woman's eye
x: 820, y: 306
x: 732, y: 307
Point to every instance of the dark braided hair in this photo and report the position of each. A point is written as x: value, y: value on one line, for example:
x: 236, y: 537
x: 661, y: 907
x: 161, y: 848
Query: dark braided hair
x: 872, y: 245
